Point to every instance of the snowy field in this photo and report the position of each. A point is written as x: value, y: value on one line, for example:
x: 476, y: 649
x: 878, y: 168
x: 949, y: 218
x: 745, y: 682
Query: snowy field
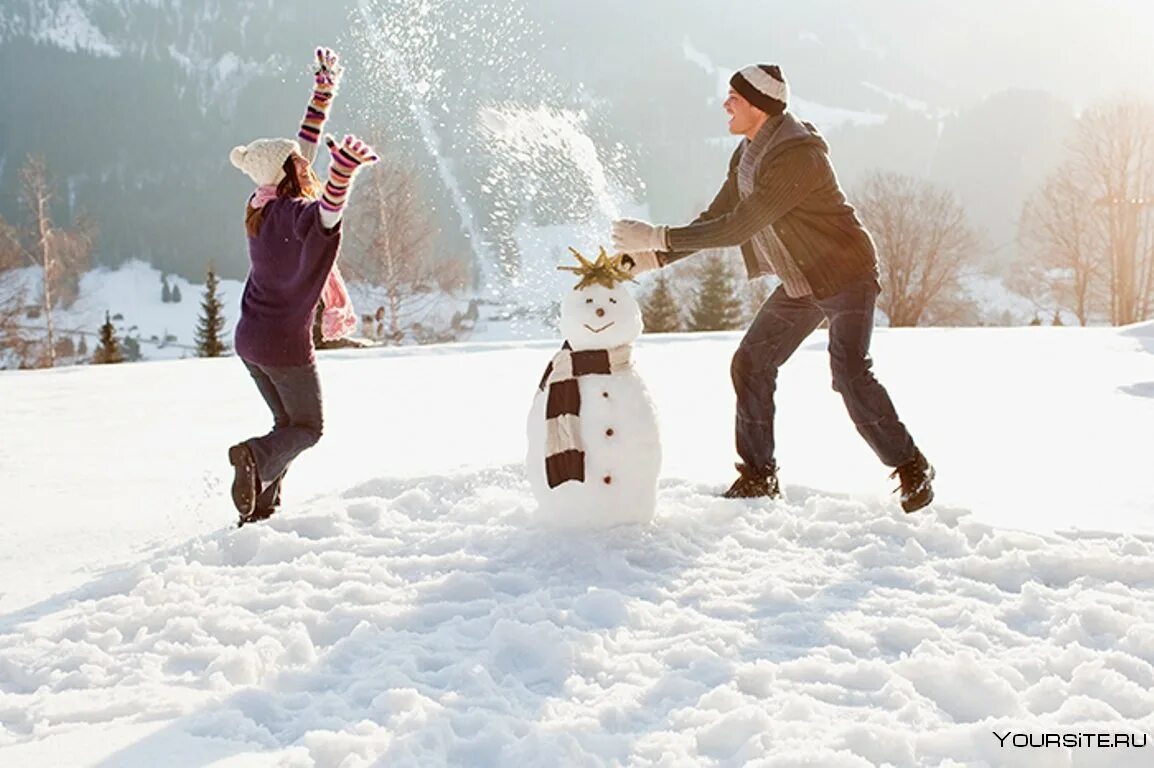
x: 406, y: 609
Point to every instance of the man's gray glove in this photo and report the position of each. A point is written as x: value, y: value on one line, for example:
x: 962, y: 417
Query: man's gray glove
x: 640, y: 262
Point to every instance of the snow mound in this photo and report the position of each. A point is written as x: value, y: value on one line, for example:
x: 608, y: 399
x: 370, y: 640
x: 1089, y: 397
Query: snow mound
x: 428, y: 621
x: 1140, y: 330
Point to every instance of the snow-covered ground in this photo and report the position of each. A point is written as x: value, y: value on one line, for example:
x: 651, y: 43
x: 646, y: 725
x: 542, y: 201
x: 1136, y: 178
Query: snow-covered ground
x: 406, y: 609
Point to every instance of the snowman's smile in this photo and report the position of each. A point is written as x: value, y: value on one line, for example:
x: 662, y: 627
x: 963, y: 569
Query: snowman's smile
x: 598, y: 330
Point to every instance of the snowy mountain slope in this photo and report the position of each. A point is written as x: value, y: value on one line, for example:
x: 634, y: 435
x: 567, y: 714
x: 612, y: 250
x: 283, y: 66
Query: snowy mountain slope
x: 135, y: 103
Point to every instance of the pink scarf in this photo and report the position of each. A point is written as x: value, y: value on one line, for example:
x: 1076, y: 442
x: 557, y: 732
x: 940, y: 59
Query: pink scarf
x: 338, y: 319
x: 262, y: 197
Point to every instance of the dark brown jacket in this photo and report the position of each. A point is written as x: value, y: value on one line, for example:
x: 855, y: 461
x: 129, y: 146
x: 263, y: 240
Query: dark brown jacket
x: 796, y: 193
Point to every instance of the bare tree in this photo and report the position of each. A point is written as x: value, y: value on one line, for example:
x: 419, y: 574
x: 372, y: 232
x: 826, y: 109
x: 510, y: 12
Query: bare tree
x: 72, y: 257
x: 1062, y: 240
x: 59, y: 254
x: 35, y: 195
x: 391, y: 235
x: 13, y: 344
x: 1113, y: 152
x: 1089, y: 231
x: 1144, y: 255
x: 11, y: 253
x: 925, y: 243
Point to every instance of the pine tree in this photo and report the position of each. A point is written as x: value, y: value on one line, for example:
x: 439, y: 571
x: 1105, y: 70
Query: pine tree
x: 176, y: 294
x: 718, y: 306
x: 165, y: 291
x: 65, y: 347
x: 210, y: 324
x: 108, y: 351
x: 82, y: 347
x: 659, y: 308
x: 1057, y: 318
x: 130, y: 349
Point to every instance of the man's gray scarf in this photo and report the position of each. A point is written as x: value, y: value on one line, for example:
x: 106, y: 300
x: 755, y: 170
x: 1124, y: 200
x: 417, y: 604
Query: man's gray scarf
x: 771, y: 255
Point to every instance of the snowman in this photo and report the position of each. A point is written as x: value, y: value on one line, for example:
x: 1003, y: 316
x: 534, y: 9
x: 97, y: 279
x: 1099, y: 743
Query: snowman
x: 594, y: 450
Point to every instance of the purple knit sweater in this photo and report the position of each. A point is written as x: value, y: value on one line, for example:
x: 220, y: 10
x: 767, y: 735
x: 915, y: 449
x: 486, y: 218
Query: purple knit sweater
x: 290, y: 259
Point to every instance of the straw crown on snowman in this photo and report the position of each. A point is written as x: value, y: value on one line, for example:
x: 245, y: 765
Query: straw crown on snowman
x: 606, y: 270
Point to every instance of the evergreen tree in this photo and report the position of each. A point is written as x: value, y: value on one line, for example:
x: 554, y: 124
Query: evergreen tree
x: 108, y: 351
x: 1037, y: 320
x: 130, y: 349
x: 176, y: 294
x: 210, y: 324
x: 659, y: 308
x: 82, y: 347
x: 65, y: 347
x: 1057, y: 318
x: 165, y: 291
x: 718, y: 306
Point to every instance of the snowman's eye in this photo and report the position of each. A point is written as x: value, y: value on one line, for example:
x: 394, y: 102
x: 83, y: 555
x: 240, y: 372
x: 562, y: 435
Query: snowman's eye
x: 613, y: 301
x: 588, y: 301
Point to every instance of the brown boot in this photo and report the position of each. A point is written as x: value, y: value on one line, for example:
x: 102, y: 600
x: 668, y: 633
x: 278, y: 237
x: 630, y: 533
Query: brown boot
x: 256, y: 516
x: 915, y: 476
x: 754, y: 484
x: 244, y: 481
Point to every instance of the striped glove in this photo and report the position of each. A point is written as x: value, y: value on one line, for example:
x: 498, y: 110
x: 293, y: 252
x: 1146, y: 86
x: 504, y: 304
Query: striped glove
x: 327, y: 75
x: 347, y: 157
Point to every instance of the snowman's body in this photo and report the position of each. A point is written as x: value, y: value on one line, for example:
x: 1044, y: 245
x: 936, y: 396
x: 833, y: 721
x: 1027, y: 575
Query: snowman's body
x: 618, y: 424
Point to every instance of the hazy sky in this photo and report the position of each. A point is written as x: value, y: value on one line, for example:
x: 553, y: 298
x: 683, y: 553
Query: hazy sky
x: 1076, y: 48
x: 1081, y: 50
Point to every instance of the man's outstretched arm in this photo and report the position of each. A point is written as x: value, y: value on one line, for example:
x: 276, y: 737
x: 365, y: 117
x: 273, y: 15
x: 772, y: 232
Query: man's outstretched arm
x: 781, y: 187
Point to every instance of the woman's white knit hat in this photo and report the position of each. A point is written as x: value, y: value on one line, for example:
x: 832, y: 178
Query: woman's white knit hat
x: 263, y: 159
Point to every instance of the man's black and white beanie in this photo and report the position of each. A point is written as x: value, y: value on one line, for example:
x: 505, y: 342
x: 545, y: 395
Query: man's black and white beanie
x: 763, y: 86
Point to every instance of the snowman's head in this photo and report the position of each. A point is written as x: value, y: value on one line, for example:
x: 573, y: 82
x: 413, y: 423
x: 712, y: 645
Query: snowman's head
x: 600, y: 312
x: 596, y: 317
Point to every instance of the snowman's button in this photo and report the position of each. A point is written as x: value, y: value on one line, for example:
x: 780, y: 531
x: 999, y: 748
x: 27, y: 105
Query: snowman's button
x: 608, y: 479
x: 605, y: 394
x: 609, y: 432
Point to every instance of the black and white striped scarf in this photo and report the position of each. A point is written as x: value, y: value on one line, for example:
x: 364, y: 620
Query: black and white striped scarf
x: 564, y: 452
